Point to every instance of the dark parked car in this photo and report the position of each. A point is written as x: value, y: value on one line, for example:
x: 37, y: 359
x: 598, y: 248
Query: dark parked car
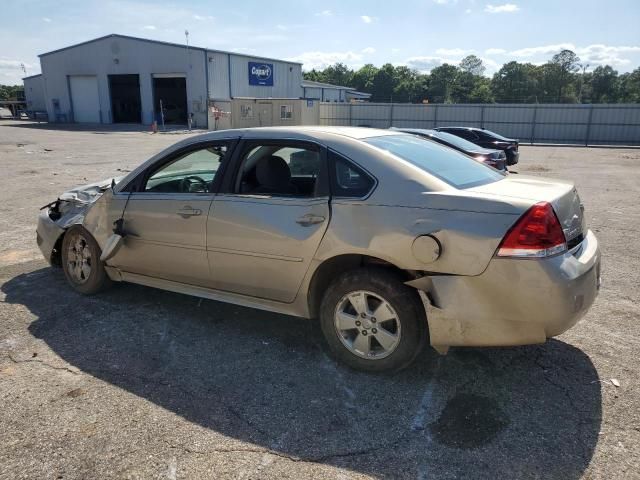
x: 494, y: 158
x: 487, y: 139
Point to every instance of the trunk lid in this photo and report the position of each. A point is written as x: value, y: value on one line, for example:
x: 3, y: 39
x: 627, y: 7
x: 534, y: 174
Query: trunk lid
x: 562, y: 196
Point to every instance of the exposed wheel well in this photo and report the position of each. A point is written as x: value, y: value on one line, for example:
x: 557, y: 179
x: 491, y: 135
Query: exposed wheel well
x: 56, y: 253
x: 335, y: 266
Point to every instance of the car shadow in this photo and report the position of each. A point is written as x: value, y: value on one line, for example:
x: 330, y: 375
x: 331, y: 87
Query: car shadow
x: 265, y: 379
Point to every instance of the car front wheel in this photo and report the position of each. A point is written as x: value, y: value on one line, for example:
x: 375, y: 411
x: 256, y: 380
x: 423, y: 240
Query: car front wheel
x: 81, y: 262
x: 372, y: 321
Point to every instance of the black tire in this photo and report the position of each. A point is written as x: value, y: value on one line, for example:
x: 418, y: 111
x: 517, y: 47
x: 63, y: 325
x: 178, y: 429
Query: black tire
x: 404, y: 300
x: 85, y: 281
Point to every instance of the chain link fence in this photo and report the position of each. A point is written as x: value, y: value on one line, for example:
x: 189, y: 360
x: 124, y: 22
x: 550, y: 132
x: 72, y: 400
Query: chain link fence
x: 602, y: 124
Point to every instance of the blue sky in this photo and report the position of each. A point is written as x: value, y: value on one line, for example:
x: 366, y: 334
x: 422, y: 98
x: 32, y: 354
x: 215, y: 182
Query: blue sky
x: 418, y: 33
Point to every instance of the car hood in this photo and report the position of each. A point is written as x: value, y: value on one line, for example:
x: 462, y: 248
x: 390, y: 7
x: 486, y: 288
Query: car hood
x: 88, y: 193
x: 72, y: 205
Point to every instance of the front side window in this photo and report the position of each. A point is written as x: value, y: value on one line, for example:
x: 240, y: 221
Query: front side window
x: 450, y: 166
x: 280, y: 170
x: 192, y: 172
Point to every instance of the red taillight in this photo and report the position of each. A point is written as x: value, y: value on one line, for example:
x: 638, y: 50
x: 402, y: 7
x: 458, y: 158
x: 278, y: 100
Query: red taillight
x: 537, y: 233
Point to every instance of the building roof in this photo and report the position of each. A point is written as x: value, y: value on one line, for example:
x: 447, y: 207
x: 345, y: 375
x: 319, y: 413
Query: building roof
x: 32, y: 76
x: 351, y: 91
x: 312, y: 84
x: 355, y: 93
x: 160, y: 42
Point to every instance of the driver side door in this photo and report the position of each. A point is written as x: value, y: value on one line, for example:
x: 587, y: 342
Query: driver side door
x: 166, y: 216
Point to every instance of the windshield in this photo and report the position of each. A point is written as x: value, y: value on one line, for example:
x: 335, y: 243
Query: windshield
x: 448, y: 165
x: 457, y: 141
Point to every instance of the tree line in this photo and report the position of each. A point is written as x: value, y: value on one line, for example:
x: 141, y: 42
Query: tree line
x: 563, y: 79
x: 11, y: 92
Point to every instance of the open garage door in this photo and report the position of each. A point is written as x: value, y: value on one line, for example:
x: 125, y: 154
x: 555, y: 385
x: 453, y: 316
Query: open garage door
x: 170, y: 91
x: 126, y: 106
x: 84, y: 98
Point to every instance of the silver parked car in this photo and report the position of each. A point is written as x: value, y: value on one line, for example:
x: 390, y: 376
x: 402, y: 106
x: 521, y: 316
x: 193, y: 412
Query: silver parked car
x: 389, y: 240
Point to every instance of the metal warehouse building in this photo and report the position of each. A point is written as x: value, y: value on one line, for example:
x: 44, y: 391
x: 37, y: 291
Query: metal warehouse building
x: 122, y: 79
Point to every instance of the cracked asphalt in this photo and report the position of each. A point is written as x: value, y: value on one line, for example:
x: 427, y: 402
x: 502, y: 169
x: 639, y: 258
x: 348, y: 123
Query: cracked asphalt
x: 140, y: 383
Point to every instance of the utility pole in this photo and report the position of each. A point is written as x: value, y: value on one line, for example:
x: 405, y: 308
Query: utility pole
x: 584, y: 67
x: 24, y: 69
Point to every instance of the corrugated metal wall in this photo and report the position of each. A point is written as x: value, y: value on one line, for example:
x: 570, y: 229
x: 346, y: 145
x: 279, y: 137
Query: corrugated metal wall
x: 614, y: 124
x: 287, y: 79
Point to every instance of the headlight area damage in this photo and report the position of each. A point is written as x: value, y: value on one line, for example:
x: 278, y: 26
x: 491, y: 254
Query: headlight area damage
x: 69, y: 209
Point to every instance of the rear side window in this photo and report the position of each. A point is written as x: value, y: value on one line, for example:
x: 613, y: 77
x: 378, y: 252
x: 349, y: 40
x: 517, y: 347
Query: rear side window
x: 450, y: 166
x: 348, y: 180
x: 286, y: 169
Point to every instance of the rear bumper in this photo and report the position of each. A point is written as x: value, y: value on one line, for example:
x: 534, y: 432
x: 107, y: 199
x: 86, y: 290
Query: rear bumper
x: 512, y: 157
x: 536, y: 299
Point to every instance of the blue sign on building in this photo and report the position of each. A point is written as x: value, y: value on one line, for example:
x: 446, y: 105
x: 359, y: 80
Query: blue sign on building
x: 261, y: 74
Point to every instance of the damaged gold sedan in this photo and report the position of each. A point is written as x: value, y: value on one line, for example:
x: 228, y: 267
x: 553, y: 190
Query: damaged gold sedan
x: 390, y: 240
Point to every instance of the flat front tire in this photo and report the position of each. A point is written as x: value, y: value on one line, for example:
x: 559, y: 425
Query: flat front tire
x: 81, y: 262
x: 372, y: 321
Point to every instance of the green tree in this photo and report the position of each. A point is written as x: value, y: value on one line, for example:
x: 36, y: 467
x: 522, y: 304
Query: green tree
x: 515, y: 83
x: 604, y: 85
x: 441, y: 82
x: 384, y: 83
x: 472, y: 64
x: 11, y: 92
x: 630, y: 87
x: 363, y: 78
x: 559, y: 76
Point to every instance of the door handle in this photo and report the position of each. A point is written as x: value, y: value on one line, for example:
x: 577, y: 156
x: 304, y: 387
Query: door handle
x: 189, y: 212
x: 310, y: 219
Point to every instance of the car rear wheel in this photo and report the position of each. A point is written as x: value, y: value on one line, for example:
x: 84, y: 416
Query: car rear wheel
x: 81, y: 262
x: 372, y: 321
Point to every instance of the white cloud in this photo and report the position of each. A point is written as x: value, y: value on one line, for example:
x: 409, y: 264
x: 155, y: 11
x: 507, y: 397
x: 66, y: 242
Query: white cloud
x: 542, y: 50
x: 495, y: 51
x: 369, y: 50
x: 367, y: 18
x: 597, y: 54
x: 11, y: 70
x: 395, y: 50
x: 202, y: 17
x: 281, y: 27
x: 427, y: 63
x: 324, y: 59
x: 243, y: 50
x: 506, y: 8
x: 606, y: 55
x: 46, y: 19
x: 468, y: 10
x: 445, y: 2
x: 452, y: 52
x: 149, y: 27
x: 324, y: 13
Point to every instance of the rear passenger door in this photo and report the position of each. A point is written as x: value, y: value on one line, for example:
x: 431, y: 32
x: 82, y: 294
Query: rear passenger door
x: 266, y: 224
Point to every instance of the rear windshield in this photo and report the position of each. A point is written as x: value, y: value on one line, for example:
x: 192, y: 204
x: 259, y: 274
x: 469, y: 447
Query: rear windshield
x: 448, y: 165
x: 457, y: 141
x: 497, y: 135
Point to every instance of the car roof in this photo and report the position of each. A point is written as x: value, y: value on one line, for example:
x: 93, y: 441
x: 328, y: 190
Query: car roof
x: 424, y: 131
x: 300, y: 132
